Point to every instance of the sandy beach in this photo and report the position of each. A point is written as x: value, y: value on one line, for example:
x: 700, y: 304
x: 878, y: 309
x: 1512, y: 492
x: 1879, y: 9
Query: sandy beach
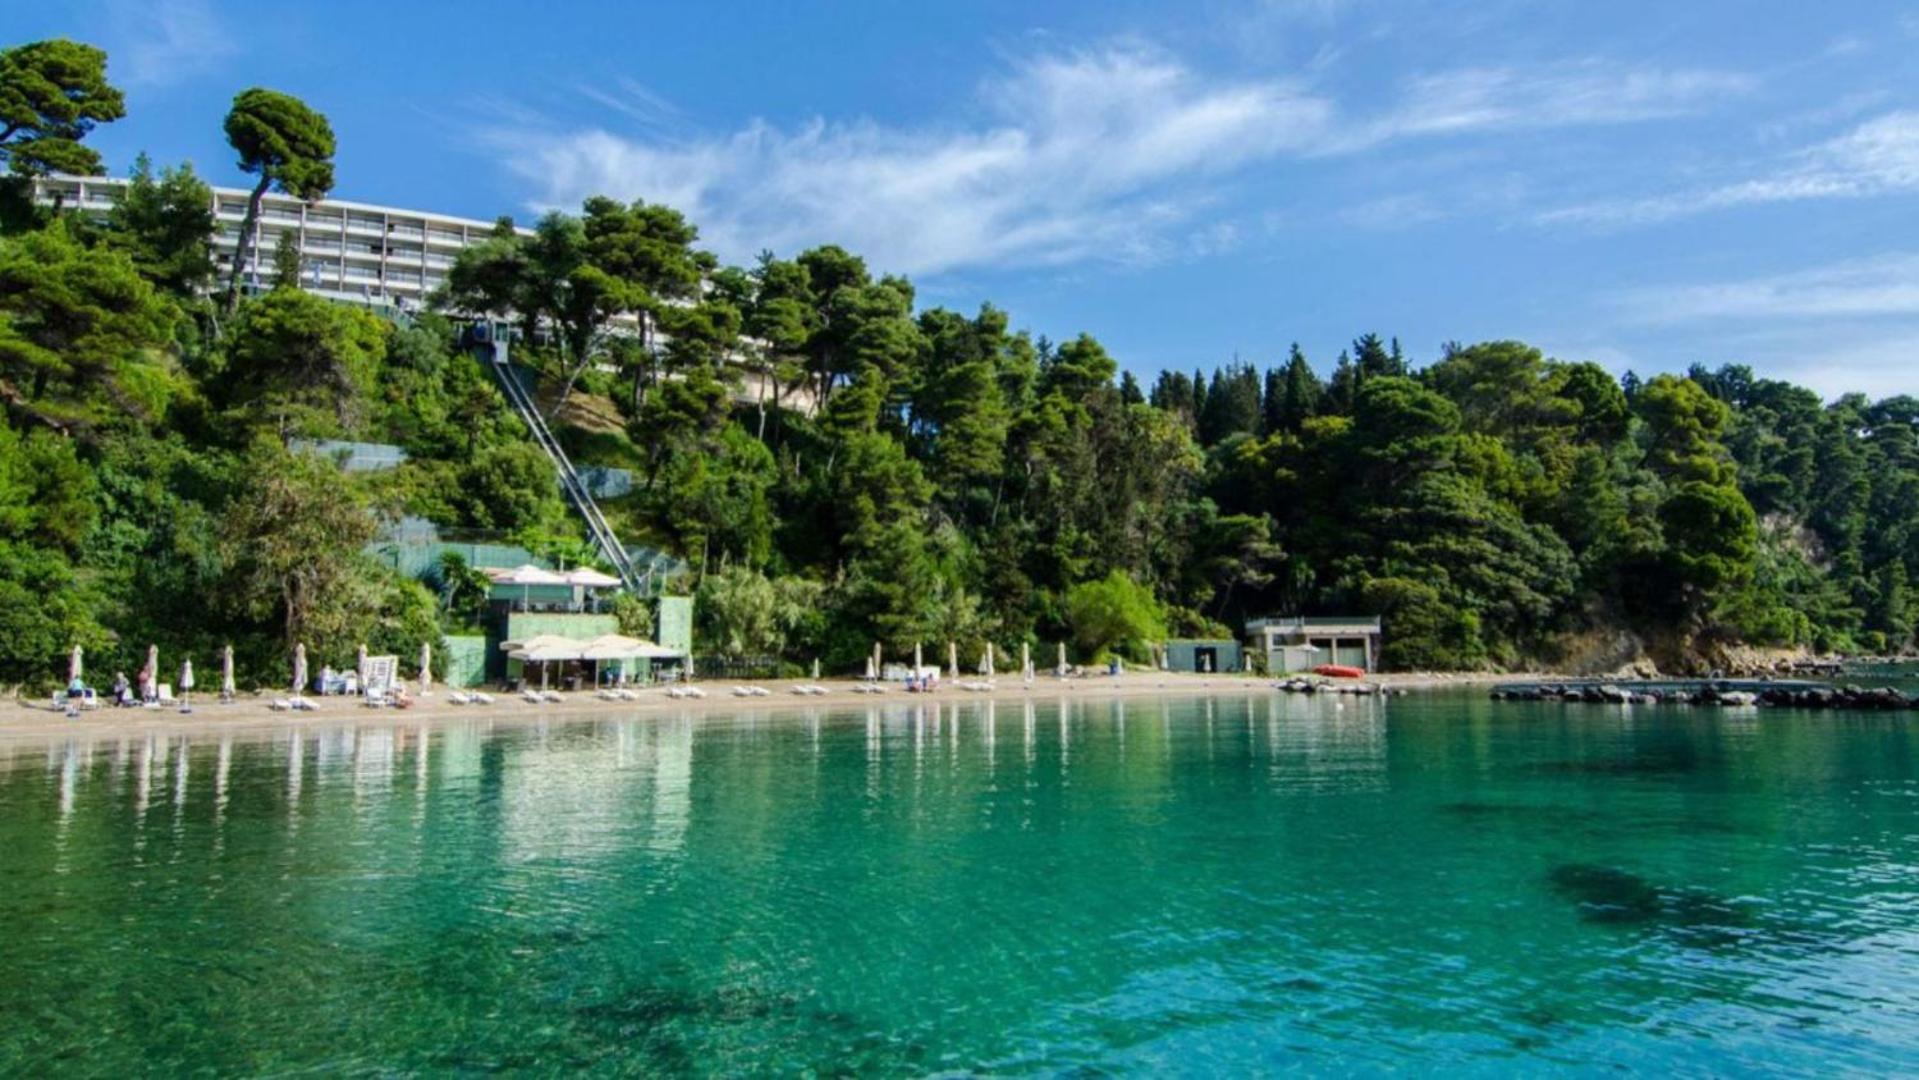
x: 38, y: 720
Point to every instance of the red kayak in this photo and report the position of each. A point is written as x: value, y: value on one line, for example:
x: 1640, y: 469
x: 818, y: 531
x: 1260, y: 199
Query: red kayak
x: 1340, y: 671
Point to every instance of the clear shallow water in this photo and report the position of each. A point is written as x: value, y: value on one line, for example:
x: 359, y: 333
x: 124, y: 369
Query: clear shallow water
x: 1182, y: 887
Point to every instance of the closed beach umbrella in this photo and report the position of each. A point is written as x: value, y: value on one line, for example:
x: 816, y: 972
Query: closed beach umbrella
x: 74, y: 664
x: 952, y: 660
x: 1025, y: 659
x: 917, y: 662
x: 816, y: 668
x: 986, y: 661
x: 871, y: 671
x: 426, y: 666
x: 359, y: 667
x: 226, y: 672
x: 1062, y: 656
x: 152, y: 670
x: 299, y: 667
x: 186, y: 682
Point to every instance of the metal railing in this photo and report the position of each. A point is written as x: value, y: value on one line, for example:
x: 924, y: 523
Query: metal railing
x: 571, y: 483
x: 1302, y: 623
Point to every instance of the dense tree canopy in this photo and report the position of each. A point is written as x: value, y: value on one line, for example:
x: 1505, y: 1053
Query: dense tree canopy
x: 840, y: 466
x: 52, y: 93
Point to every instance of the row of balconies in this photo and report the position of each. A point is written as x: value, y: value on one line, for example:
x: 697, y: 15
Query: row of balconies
x: 352, y: 224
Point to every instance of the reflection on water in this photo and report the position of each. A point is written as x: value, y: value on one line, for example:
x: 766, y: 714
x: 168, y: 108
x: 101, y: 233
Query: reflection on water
x: 1055, y: 882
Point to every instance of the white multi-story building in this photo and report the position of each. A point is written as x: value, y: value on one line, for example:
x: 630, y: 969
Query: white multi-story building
x: 374, y: 255
x: 348, y: 251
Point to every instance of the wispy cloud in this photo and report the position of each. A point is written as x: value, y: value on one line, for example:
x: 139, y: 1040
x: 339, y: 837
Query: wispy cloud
x: 161, y: 42
x: 1884, y: 285
x: 631, y: 99
x: 1112, y: 153
x: 1579, y: 93
x: 1393, y: 212
x: 1878, y: 157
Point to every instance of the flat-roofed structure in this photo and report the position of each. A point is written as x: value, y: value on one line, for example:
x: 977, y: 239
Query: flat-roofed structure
x: 1303, y: 642
x: 379, y: 256
x: 348, y: 250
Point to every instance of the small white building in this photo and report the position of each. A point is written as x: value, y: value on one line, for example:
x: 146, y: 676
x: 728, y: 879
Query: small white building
x: 1301, y: 643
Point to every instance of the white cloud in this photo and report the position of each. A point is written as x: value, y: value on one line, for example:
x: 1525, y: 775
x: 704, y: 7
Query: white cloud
x: 1877, y: 365
x: 1879, y: 157
x: 1578, y: 93
x: 1393, y: 212
x: 1886, y: 285
x: 161, y: 42
x: 1100, y: 154
x: 1843, y: 327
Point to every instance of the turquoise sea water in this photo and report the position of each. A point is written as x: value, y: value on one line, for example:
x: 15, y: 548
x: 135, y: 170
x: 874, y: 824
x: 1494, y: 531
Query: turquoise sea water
x: 1189, y: 887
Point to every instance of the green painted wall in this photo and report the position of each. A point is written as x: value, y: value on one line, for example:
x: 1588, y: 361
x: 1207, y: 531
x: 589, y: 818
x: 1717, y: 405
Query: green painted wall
x: 465, y: 660
x: 676, y: 623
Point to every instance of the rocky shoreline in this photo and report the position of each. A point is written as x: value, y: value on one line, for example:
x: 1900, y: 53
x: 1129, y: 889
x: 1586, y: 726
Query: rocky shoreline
x: 1852, y: 696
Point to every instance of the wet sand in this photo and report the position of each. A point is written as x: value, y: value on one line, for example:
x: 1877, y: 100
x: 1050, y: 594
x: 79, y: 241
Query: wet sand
x: 38, y: 720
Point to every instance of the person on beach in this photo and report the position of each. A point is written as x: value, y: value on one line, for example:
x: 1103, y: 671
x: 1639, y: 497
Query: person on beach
x: 120, y: 688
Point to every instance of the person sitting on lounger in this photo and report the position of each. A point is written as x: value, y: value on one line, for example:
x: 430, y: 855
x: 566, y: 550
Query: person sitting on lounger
x: 120, y: 688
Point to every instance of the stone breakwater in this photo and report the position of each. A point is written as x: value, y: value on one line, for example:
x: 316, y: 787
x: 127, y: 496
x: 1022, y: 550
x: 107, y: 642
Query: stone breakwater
x: 1799, y: 696
x: 1321, y: 686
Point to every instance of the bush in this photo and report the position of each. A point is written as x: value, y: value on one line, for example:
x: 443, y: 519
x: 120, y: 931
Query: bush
x: 1114, y: 615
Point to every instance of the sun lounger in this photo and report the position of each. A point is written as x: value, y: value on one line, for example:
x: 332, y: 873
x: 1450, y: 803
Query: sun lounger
x: 626, y: 695
x: 482, y: 699
x: 552, y: 697
x: 531, y: 697
x: 742, y: 691
x: 303, y: 705
x: 457, y: 697
x: 279, y: 704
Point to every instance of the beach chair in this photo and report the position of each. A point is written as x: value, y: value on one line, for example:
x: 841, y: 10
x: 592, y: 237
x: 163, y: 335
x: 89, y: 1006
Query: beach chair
x: 457, y: 697
x: 531, y: 696
x: 279, y: 704
x: 552, y: 697
x: 482, y: 699
x: 301, y: 704
x: 741, y: 691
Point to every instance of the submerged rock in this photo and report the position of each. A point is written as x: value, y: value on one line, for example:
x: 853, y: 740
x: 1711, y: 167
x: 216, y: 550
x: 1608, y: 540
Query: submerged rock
x: 1611, y: 896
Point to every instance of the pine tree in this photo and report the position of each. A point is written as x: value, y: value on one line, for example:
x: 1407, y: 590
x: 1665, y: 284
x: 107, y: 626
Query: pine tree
x: 1343, y: 388
x: 1301, y: 393
x: 286, y: 261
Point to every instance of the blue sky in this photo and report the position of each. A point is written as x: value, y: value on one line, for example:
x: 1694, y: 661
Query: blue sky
x: 1642, y: 184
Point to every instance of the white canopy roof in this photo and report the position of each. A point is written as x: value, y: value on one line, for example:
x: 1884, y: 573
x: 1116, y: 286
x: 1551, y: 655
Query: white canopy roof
x: 543, y: 647
x: 525, y: 574
x: 605, y: 647
x: 619, y: 647
x: 591, y: 578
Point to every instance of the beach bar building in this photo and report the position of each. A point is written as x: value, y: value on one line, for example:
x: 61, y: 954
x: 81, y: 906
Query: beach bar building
x: 1303, y: 642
